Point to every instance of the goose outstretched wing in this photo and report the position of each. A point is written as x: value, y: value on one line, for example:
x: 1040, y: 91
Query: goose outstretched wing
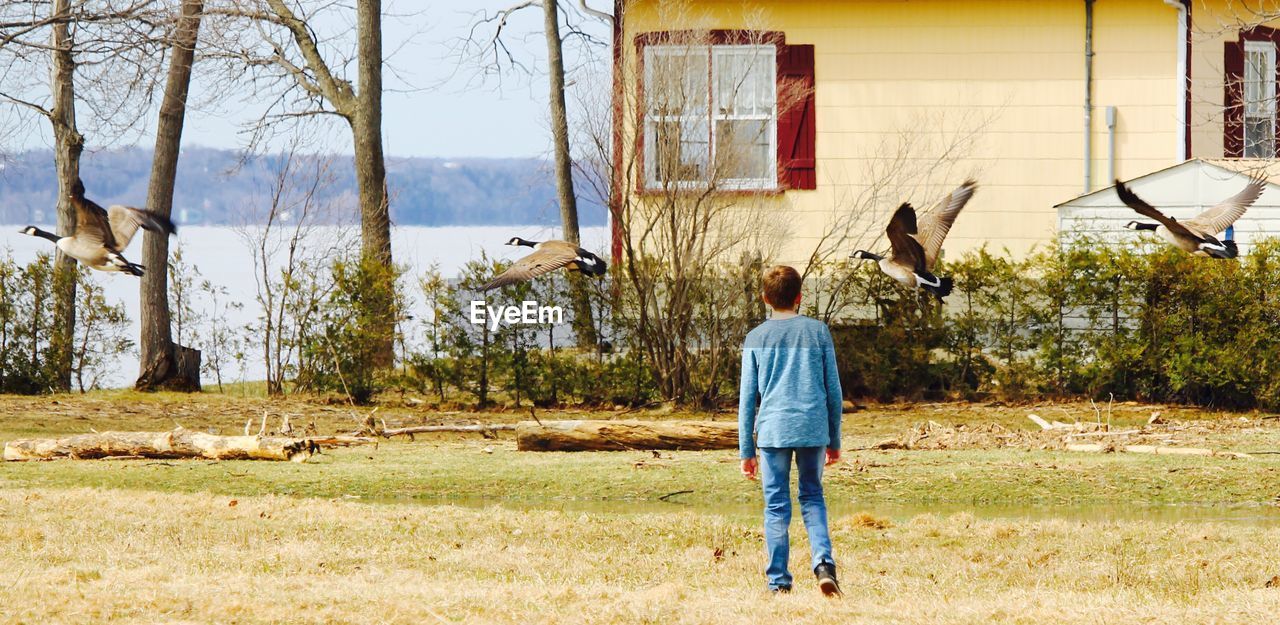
x: 92, y: 225
x: 1141, y: 207
x: 542, y: 260
x: 125, y: 221
x: 902, y: 230
x: 935, y: 225
x: 1226, y: 212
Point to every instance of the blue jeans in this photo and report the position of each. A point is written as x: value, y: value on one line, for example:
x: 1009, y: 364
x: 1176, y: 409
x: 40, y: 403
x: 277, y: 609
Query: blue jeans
x: 775, y: 476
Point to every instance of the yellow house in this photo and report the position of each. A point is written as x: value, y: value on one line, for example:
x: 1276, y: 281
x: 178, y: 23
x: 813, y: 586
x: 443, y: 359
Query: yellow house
x: 1041, y: 101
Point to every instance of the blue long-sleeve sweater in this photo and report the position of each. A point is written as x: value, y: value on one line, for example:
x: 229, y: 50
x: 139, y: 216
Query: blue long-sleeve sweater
x: 790, y: 395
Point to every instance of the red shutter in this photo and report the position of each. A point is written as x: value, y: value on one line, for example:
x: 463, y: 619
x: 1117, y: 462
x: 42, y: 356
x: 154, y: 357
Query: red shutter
x: 797, y: 133
x: 1233, y: 109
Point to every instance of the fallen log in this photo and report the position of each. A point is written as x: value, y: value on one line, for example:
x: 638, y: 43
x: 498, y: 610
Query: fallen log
x: 1153, y: 449
x: 372, y: 428
x: 179, y: 443
x: 426, y: 429
x: 625, y: 435
x: 341, y: 441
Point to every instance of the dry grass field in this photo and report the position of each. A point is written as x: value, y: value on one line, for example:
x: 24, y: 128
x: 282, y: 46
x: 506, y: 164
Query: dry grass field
x: 463, y: 529
x: 94, y: 556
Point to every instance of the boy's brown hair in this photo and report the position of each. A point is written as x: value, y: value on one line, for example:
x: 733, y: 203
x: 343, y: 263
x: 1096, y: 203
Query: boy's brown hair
x: 781, y: 286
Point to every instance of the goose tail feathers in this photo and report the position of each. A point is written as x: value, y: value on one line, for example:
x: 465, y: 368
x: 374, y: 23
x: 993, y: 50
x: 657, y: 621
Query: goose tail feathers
x: 156, y: 222
x: 590, y: 264
x: 942, y: 288
x: 945, y: 288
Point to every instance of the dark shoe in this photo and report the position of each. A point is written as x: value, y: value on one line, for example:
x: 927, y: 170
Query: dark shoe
x: 826, y: 573
x: 780, y: 590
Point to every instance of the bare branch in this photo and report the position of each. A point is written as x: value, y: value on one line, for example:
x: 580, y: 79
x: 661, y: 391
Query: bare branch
x: 600, y: 15
x: 339, y: 92
x: 24, y: 103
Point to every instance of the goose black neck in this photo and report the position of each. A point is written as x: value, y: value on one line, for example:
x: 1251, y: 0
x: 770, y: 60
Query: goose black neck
x: 1142, y: 226
x: 528, y: 243
x: 865, y: 255
x: 36, y: 232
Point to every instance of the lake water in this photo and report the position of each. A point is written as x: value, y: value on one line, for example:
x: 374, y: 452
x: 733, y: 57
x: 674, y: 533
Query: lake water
x: 222, y: 257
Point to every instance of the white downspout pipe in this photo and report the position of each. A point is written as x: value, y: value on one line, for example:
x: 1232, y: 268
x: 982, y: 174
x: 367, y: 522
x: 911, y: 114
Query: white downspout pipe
x: 1184, y: 26
x: 1088, y: 96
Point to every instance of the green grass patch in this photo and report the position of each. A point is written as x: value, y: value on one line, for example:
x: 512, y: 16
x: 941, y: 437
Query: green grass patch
x: 436, y: 472
x: 470, y: 468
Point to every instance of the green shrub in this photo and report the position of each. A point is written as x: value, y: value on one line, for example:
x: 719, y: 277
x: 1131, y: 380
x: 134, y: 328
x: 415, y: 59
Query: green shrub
x: 26, y: 322
x: 27, y: 355
x: 342, y: 352
x: 1078, y: 319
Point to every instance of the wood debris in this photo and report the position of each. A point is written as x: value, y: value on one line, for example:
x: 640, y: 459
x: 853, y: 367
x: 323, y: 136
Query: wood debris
x: 1153, y: 449
x: 1162, y: 438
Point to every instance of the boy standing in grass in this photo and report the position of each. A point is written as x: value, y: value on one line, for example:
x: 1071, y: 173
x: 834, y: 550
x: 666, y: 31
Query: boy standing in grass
x: 789, y: 370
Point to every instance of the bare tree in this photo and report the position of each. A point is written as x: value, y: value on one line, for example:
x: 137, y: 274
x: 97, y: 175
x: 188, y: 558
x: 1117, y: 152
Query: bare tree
x: 277, y: 41
x: 583, y: 324
x: 165, y: 364
x: 289, y: 254
x: 96, y: 53
x: 493, y: 56
x: 222, y: 341
x: 692, y: 244
x: 68, y: 146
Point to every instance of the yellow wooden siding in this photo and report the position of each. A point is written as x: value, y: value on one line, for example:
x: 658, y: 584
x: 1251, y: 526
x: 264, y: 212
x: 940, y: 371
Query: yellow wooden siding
x: 1013, y: 70
x: 1214, y: 25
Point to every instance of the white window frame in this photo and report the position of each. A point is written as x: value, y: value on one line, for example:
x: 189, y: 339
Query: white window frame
x: 1266, y: 106
x: 712, y: 113
x: 653, y: 118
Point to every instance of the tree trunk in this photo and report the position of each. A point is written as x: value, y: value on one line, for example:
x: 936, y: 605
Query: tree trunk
x: 625, y: 435
x: 68, y: 145
x: 371, y: 171
x: 560, y: 124
x: 584, y: 327
x: 165, y: 365
x: 371, y: 176
x: 179, y: 443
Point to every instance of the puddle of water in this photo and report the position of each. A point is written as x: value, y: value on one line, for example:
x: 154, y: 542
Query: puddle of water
x: 1250, y: 515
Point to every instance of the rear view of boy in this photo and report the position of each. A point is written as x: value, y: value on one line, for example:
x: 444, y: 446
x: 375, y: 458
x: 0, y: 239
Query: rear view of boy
x: 789, y: 370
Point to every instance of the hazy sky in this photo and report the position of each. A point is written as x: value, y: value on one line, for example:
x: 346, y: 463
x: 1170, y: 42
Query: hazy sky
x: 432, y: 106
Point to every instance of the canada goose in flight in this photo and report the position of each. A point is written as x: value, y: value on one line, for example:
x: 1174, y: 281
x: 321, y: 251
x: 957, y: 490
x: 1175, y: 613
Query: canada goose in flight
x: 102, y: 235
x: 547, y: 256
x: 1197, y: 235
x: 916, y: 246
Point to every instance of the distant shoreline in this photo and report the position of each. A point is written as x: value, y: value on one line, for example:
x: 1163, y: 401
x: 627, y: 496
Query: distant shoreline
x: 217, y: 188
